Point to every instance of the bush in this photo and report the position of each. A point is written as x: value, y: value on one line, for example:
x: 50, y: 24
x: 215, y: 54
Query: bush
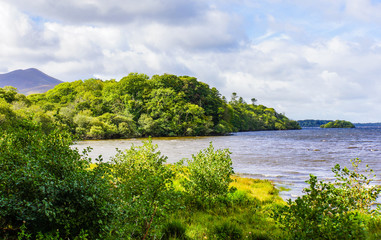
x: 335, y: 210
x: 208, y: 175
x: 47, y: 186
x: 144, y: 191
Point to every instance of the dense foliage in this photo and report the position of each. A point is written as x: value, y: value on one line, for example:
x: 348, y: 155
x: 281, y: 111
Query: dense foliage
x: 137, y: 105
x: 338, y: 124
x: 338, y: 210
x: 46, y: 187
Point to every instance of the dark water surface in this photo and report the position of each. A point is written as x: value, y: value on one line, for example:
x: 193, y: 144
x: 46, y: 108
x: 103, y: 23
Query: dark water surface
x: 285, y: 157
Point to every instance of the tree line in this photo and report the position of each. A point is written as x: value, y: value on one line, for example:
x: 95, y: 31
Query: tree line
x: 138, y: 106
x: 312, y: 122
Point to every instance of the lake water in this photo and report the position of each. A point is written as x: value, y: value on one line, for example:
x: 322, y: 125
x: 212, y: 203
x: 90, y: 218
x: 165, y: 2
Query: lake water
x: 285, y: 157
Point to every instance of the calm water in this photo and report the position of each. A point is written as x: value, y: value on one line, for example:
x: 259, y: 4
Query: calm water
x: 286, y: 157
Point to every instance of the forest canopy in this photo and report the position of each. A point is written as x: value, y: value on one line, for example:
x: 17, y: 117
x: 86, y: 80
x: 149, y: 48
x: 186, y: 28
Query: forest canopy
x: 137, y: 106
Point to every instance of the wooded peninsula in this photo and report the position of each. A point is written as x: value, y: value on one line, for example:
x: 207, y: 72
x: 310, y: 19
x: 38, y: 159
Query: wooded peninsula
x: 139, y: 106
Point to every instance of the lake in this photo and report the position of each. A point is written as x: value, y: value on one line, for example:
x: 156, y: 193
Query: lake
x: 285, y: 157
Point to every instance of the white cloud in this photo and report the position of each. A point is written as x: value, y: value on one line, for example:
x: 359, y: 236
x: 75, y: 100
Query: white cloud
x: 365, y: 10
x: 113, y: 11
x: 344, y: 10
x: 14, y: 25
x: 215, y: 30
x: 333, y: 76
x: 331, y: 79
x: 17, y: 37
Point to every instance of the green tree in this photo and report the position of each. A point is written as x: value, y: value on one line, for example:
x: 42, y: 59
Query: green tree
x: 7, y: 115
x: 135, y: 85
x: 8, y: 93
x: 112, y: 97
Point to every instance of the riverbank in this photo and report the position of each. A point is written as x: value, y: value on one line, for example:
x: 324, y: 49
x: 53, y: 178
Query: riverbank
x: 285, y: 157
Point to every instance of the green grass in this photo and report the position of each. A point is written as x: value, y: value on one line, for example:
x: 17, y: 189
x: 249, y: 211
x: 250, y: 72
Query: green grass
x: 263, y: 190
x: 247, y: 211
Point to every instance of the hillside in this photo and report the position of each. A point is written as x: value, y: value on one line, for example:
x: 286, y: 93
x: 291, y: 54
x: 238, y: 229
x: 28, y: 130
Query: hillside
x: 28, y: 81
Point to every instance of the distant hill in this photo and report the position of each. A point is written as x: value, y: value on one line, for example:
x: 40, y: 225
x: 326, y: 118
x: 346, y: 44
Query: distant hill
x: 312, y: 122
x: 28, y: 81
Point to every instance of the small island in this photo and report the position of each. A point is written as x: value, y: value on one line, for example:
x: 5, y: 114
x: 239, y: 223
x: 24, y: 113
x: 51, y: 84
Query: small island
x: 338, y: 124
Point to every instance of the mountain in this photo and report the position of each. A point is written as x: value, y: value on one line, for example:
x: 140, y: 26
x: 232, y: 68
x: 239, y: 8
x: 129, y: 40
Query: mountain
x: 28, y: 81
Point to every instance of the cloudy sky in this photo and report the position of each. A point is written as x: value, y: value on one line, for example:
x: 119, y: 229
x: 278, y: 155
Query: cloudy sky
x: 307, y: 59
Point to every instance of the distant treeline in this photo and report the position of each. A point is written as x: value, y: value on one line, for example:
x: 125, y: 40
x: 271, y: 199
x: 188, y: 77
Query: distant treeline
x: 313, y: 122
x: 137, y: 106
x: 368, y: 124
x: 318, y: 123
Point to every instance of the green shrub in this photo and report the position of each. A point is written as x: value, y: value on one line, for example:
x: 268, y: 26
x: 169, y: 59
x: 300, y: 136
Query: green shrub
x: 47, y: 186
x: 208, y: 175
x: 144, y: 191
x: 335, y: 210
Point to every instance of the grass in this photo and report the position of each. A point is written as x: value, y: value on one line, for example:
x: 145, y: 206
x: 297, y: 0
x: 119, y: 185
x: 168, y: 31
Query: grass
x: 263, y: 190
x: 247, y: 213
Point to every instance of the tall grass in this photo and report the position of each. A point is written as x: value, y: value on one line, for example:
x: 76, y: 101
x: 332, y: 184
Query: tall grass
x: 243, y: 214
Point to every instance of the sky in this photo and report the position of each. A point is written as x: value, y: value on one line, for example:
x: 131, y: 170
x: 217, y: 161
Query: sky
x: 307, y: 59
